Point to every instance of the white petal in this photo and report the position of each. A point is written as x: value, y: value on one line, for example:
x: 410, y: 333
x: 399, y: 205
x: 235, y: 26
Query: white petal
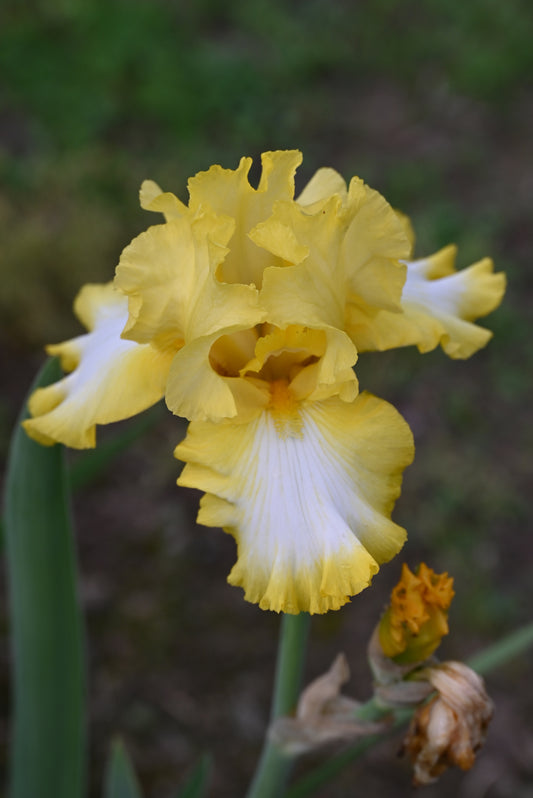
x: 112, y: 379
x: 308, y: 503
x: 442, y: 303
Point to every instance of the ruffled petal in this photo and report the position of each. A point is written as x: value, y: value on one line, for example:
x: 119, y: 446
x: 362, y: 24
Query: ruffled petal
x: 311, y: 294
x: 169, y: 275
x: 195, y: 390
x: 309, y: 505
x: 352, y: 269
x: 440, y: 305
x: 353, y: 235
x: 280, y: 240
x: 330, y: 374
x: 229, y: 192
x: 375, y: 242
x: 111, y: 379
x: 217, y: 377
x: 313, y: 291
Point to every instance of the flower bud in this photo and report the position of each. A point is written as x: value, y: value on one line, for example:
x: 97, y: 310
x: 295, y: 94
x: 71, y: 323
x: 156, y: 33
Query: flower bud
x: 417, y: 619
x: 451, y: 728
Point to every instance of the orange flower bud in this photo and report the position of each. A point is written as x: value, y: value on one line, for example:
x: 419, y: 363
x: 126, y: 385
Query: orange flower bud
x: 417, y: 618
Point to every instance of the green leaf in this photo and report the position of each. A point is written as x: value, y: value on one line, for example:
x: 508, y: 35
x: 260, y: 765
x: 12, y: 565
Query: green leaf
x: 120, y: 779
x: 48, y: 754
x: 197, y: 783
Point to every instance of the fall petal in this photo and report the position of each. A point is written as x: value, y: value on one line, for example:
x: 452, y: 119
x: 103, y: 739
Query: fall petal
x: 309, y: 508
x: 440, y: 306
x: 112, y: 379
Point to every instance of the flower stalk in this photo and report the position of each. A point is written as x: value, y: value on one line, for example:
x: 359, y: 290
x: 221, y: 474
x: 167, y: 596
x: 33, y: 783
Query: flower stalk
x: 274, y: 766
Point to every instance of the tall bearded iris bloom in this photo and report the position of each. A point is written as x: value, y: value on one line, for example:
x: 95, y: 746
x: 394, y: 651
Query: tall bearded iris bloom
x: 305, y: 484
x: 246, y: 309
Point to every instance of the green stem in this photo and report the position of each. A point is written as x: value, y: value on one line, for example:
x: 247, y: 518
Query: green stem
x: 274, y: 766
x: 371, y: 710
x: 491, y: 658
x: 503, y: 650
x: 290, y: 663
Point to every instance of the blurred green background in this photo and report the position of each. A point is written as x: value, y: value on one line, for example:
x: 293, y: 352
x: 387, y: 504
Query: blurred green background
x: 432, y: 104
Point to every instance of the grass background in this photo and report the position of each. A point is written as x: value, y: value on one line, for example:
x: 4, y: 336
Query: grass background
x: 432, y: 104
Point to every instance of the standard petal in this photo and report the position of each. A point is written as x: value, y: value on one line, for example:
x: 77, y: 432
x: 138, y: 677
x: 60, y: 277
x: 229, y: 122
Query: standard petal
x: 374, y: 243
x: 111, y: 379
x: 439, y: 307
x: 229, y: 192
x: 310, y: 510
x: 280, y: 240
x: 169, y: 274
x: 353, y: 266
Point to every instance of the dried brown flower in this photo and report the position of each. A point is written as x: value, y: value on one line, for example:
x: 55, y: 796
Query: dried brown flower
x: 452, y: 726
x: 323, y: 715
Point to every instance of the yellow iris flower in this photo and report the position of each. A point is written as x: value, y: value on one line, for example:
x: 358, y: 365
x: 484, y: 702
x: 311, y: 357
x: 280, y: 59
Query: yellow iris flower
x: 246, y: 309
